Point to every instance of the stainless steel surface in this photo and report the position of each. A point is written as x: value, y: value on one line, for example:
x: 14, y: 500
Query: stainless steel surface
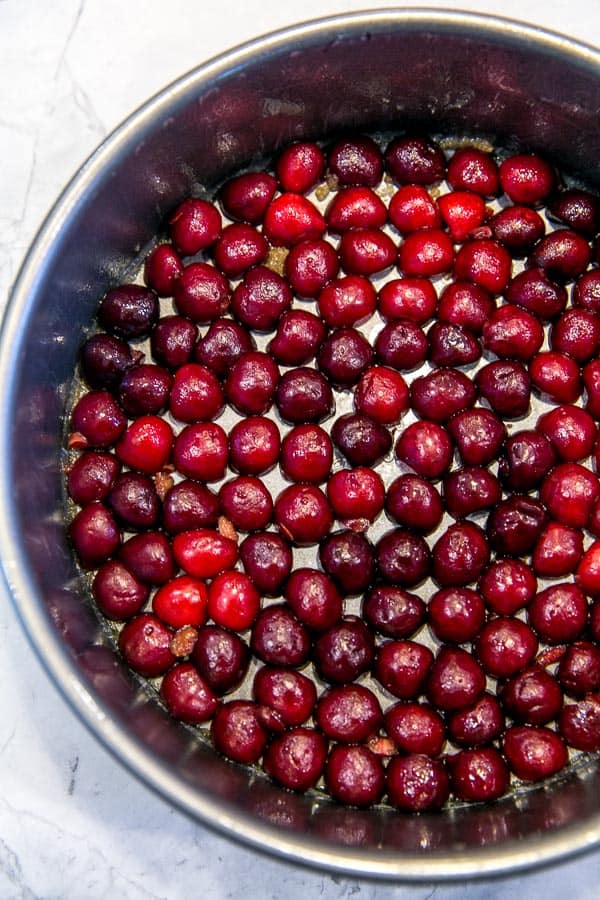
x: 444, y: 72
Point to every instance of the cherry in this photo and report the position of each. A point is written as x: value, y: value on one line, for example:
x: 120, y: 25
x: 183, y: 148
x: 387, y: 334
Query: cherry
x: 415, y: 160
x: 401, y: 345
x: 412, y: 208
x: 576, y: 333
x: 455, y: 679
x: 571, y: 430
x: 134, y: 501
x: 260, y: 299
x: 221, y: 657
x: 557, y: 376
x: 533, y: 696
x: 356, y: 496
x: 349, y: 713
x: 222, y: 345
x: 426, y: 253
x: 254, y: 445
x: 587, y: 574
x: 313, y: 598
x: 300, y: 166
x: 470, y: 489
x: 291, y: 695
x: 403, y: 558
x: 196, y: 395
x: 304, y: 395
x: 187, y: 695
x: 417, y: 783
x: 462, y: 212
x: 297, y: 758
x: 291, y: 218
x: 416, y: 728
x: 505, y: 645
x: 366, y: 251
x: 298, y: 338
x: 119, y: 595
x: 91, y: 476
x: 471, y: 169
x: 344, y: 651
x: 204, y: 553
x: 104, y: 359
x: 149, y: 557
x: 144, y: 389
x: 355, y: 207
x: 237, y: 733
x: 484, y: 262
x: 569, y: 492
x: 144, y: 643
x: 246, y: 502
x: 518, y: 228
x: 460, y: 554
x: 577, y: 209
x: 425, y: 447
x: 200, y: 451
x: 506, y: 385
x: 306, y: 454
x: 579, y: 723
x: 515, y: 525
x: 233, y: 601
x: 507, y: 585
x: 465, y: 304
x: 162, y: 268
x: 412, y: 299
x: 95, y: 534
x: 441, y: 393
x: 534, y: 752
x: 479, y: 774
x: 354, y: 775
x: 393, y: 611
x: 98, y: 419
x: 278, y: 638
x: 189, y: 505
x: 246, y: 197
x: 344, y: 355
x: 348, y: 558
x: 414, y: 502
x: 562, y: 254
x: 303, y: 514
x: 361, y: 440
x: 456, y: 615
x: 558, y: 550
x: 402, y: 666
x: 173, y: 340
x: 527, y: 458
x: 239, y: 248
x: 252, y: 382
x: 356, y: 160
x: 586, y: 291
x: 451, y: 345
x: 513, y: 333
x: 347, y: 301
x: 267, y: 559
x: 526, y: 178
x: 195, y: 225
x: 201, y: 293
x: 478, y: 724
x: 478, y: 434
x: 129, y: 311
x: 591, y: 382
x: 579, y: 669
x: 146, y: 445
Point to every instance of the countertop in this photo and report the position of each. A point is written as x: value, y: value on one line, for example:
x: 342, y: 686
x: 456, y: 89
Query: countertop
x: 73, y: 823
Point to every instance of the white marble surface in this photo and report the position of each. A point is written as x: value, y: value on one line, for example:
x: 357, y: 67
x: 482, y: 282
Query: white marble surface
x: 73, y: 823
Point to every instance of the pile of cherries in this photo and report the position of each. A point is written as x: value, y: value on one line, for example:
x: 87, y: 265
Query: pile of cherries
x: 311, y: 486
